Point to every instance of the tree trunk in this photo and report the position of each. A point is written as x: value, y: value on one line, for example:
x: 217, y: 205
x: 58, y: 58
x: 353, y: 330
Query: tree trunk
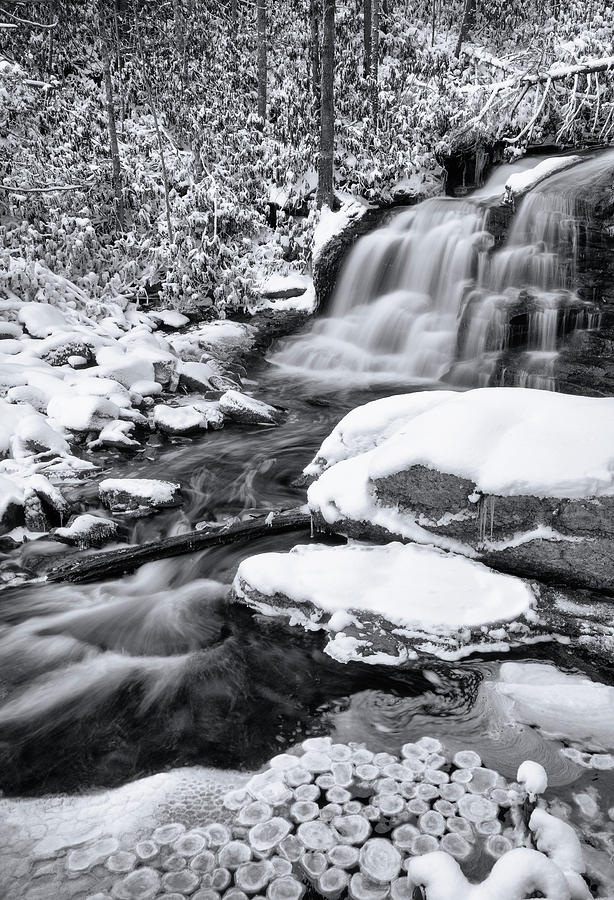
x: 367, y: 38
x: 116, y: 180
x: 375, y: 61
x: 314, y: 29
x: 178, y: 26
x: 466, y: 25
x: 327, y: 108
x: 167, y: 203
x: 262, y: 60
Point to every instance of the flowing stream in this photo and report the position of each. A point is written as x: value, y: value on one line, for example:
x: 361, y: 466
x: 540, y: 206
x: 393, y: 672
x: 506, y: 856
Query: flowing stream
x: 103, y: 683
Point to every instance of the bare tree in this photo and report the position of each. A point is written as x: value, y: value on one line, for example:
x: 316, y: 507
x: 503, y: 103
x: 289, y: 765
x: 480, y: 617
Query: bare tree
x: 375, y: 61
x: 367, y: 38
x: 466, y: 25
x: 262, y: 58
x: 314, y: 31
x: 327, y: 108
x: 116, y: 180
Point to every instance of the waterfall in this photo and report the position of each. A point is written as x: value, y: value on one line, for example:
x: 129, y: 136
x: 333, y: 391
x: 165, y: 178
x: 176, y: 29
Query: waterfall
x: 428, y: 297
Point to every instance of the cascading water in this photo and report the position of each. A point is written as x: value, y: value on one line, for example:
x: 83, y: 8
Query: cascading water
x: 427, y: 297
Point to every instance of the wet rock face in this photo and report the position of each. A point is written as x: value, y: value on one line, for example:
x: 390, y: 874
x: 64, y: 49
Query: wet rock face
x: 571, y: 541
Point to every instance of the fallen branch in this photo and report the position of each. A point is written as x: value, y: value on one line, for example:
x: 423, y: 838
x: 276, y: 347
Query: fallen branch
x: 113, y: 563
x: 554, y: 73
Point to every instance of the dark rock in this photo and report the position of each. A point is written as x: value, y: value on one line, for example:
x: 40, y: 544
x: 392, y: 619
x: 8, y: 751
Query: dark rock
x: 560, y: 540
x: 86, y: 531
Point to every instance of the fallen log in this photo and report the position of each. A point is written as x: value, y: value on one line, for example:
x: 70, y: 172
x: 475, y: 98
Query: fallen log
x: 112, y: 563
x: 556, y: 72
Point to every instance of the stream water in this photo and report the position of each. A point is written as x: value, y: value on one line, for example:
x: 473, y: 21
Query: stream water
x: 106, y: 682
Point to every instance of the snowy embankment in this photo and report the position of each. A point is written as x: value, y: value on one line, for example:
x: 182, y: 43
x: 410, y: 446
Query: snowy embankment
x: 519, y: 479
x: 81, y: 375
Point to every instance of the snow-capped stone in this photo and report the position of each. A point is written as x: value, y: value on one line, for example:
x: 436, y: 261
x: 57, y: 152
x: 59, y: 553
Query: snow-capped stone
x: 146, y: 388
x: 137, y: 495
x: 178, y: 420
x: 127, y: 368
x: 399, y: 595
x: 82, y: 413
x: 117, y: 436
x: 196, y: 376
x: 170, y: 318
x: 524, y: 479
x: 247, y: 410
x: 86, y: 531
x: 533, y: 777
x: 42, y: 319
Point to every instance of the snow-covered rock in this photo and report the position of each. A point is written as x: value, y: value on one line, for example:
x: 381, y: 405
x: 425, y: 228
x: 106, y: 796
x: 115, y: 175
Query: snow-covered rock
x: 393, y: 599
x: 42, y: 319
x: 82, y: 413
x: 522, y: 478
x: 518, y: 874
x: 533, y: 777
x: 520, y: 183
x: 169, y: 318
x: 281, y: 287
x: 138, y: 496
x: 239, y: 407
x: 116, y: 435
x: 178, y: 420
x: 196, y: 376
x: 86, y: 531
x: 559, y: 841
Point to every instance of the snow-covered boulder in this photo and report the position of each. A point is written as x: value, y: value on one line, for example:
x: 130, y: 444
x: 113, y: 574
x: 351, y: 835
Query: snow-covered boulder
x: 239, y: 407
x: 178, y: 420
x: 138, y: 496
x: 116, y: 436
x: 41, y: 319
x: 169, y: 318
x: 127, y: 368
x: 196, y: 376
x: 82, y: 413
x: 86, y: 531
x: 524, y: 479
x: 393, y: 600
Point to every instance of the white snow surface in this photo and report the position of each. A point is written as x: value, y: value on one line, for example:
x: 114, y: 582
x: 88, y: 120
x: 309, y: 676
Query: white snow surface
x: 330, y: 224
x: 406, y: 584
x: 533, y: 777
x: 508, y: 441
x: 141, y: 488
x: 83, y: 525
x: 521, y: 182
x: 562, y: 705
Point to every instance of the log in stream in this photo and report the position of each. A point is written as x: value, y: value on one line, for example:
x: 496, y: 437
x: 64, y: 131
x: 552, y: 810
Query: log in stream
x: 112, y: 563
